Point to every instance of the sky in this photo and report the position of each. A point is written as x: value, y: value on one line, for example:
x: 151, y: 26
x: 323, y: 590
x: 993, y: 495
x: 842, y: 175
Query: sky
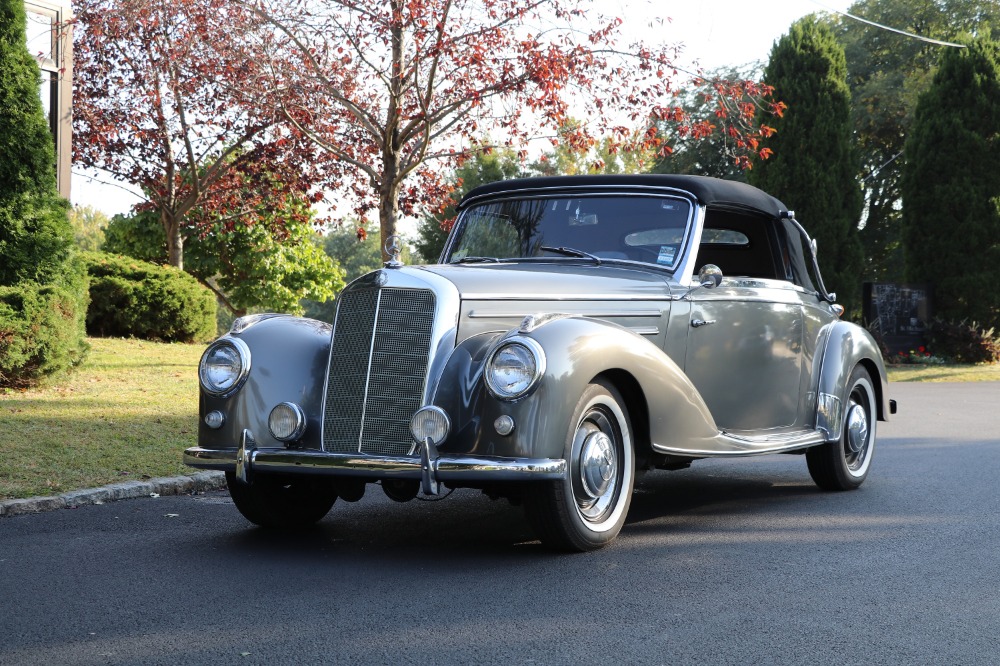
x: 721, y: 32
x: 714, y: 33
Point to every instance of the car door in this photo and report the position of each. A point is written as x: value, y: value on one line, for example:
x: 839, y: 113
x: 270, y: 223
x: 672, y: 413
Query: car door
x: 745, y: 353
x: 744, y: 349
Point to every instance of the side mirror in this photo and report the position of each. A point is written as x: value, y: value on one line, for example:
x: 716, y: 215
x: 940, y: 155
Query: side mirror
x: 710, y: 276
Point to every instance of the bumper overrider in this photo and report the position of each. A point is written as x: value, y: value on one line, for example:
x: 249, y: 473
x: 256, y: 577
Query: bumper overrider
x: 431, y: 467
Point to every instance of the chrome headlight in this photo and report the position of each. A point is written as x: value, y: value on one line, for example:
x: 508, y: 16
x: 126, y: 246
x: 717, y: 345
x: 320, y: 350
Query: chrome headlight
x: 224, y: 366
x: 514, y: 368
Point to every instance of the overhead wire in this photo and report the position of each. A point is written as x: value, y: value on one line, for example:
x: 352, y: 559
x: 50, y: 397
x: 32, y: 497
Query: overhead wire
x: 890, y: 29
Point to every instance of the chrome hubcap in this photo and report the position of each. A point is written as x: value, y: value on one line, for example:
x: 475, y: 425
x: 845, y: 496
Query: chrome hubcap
x: 597, y: 464
x: 857, y: 429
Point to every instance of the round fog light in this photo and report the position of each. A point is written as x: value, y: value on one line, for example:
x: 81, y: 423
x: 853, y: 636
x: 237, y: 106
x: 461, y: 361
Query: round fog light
x: 504, y: 425
x: 215, y: 419
x: 287, y: 422
x: 430, y: 423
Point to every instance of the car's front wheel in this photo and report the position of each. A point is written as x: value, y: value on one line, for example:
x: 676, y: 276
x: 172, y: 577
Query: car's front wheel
x: 844, y: 465
x: 281, y: 502
x: 586, y: 509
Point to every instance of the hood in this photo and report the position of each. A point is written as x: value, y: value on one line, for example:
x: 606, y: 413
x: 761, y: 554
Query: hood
x: 566, y: 280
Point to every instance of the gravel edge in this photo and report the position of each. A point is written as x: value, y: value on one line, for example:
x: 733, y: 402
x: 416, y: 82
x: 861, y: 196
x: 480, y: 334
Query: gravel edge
x: 176, y: 485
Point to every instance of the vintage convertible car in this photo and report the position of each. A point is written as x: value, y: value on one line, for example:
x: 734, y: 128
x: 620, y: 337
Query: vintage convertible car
x: 578, y: 331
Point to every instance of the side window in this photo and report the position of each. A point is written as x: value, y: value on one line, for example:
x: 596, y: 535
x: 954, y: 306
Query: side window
x: 741, y: 245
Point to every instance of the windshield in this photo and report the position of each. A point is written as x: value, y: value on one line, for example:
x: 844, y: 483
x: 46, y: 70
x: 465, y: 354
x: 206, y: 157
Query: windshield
x: 649, y: 229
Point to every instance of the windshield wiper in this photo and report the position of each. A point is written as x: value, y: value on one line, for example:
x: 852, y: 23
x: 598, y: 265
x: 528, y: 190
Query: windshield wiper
x: 572, y: 252
x: 475, y: 260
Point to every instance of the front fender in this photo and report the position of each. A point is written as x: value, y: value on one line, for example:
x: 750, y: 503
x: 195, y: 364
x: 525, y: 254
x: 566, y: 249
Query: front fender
x: 847, y: 346
x: 577, y: 351
x: 288, y: 362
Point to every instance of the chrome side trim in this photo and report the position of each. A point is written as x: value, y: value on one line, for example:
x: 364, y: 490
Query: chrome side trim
x: 448, y: 467
x: 729, y: 445
x: 645, y: 330
x: 475, y: 314
x: 506, y: 296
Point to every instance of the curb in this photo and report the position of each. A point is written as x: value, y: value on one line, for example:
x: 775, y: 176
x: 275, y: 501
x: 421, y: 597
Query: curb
x: 176, y: 485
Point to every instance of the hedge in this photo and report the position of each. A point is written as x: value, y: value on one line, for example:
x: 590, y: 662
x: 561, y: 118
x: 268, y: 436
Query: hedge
x: 133, y: 298
x: 42, y: 327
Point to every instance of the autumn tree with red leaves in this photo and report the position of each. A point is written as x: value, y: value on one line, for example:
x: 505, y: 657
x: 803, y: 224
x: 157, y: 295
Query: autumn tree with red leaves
x: 160, y: 103
x: 396, y: 91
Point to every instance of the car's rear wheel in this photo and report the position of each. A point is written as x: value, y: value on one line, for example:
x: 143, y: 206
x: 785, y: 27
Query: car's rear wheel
x: 844, y: 465
x: 282, y: 502
x: 586, y: 509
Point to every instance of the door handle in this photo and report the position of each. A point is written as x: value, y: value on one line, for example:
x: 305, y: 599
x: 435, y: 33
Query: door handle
x: 698, y: 323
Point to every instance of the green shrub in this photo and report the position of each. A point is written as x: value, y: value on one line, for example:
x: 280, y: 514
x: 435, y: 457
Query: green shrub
x: 36, y: 239
x: 964, y: 342
x: 133, y: 298
x: 42, y: 327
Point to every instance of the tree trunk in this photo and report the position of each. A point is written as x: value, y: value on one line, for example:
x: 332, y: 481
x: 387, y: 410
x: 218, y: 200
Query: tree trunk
x: 388, y: 210
x: 388, y: 213
x: 175, y: 241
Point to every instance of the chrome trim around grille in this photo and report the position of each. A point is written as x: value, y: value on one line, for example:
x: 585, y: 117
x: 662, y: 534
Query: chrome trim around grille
x: 449, y: 467
x: 367, y: 400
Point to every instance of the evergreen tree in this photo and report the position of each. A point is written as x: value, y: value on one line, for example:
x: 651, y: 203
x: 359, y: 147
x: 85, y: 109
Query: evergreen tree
x: 35, y: 236
x: 951, y: 185
x: 887, y: 73
x: 43, y: 287
x: 814, y: 168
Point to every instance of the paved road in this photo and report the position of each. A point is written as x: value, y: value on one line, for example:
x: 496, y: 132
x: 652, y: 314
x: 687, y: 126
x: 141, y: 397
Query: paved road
x: 739, y: 562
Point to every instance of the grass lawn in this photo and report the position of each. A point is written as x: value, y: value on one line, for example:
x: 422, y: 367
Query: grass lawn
x: 126, y: 414
x: 132, y: 408
x: 944, y: 373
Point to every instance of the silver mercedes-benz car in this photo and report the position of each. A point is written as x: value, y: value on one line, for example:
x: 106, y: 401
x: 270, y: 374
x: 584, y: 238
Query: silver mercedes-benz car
x: 577, y: 331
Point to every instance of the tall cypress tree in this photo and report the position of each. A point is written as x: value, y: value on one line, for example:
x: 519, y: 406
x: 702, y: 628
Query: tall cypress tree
x: 951, y: 186
x: 43, y: 287
x: 35, y: 234
x: 814, y: 168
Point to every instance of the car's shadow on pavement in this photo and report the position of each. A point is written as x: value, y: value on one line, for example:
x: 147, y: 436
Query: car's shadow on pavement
x: 662, y: 495
x: 469, y: 524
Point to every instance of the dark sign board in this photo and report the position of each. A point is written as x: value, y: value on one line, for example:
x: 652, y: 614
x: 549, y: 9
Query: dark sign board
x: 897, y: 314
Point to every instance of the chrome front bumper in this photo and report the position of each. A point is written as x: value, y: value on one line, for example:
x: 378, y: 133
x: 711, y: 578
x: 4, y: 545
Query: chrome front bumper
x: 445, y: 467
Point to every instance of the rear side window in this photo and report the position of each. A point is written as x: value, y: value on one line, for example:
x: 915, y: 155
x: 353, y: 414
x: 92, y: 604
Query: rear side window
x: 741, y: 245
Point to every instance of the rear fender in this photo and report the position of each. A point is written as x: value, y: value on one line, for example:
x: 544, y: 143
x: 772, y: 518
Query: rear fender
x: 847, y: 346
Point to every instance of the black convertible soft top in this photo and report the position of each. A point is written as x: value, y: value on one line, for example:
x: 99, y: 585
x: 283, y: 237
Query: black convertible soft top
x: 709, y: 191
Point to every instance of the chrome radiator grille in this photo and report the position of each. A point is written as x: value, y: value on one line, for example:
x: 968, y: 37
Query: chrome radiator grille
x: 377, y: 367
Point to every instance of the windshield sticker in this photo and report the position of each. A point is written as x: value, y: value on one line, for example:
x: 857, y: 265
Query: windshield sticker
x: 667, y: 253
